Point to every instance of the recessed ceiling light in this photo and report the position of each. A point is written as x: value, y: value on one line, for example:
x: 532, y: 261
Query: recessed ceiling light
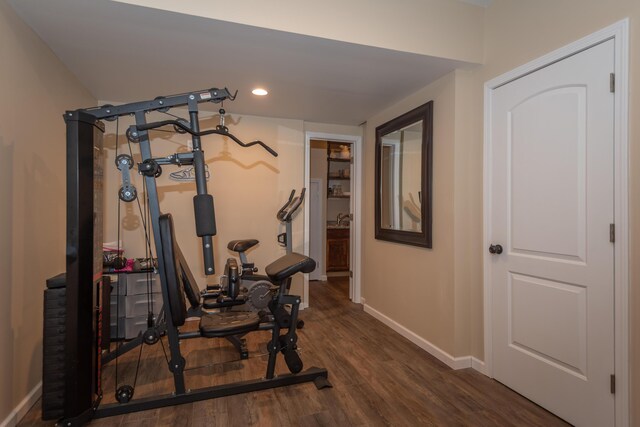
x: 259, y: 91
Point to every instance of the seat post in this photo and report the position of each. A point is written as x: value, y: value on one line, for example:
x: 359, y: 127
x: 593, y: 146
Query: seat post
x: 273, y: 350
x: 243, y: 258
x: 283, y: 290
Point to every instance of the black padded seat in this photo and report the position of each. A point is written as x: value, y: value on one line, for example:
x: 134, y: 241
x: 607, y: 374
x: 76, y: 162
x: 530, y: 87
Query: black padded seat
x: 242, y: 245
x: 289, y: 265
x: 226, y: 323
x: 175, y: 288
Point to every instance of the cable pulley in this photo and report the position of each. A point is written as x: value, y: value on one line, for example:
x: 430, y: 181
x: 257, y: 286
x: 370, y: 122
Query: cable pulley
x: 160, y: 100
x: 124, y: 161
x: 151, y: 336
x: 107, y: 109
x: 124, y: 394
x: 128, y: 193
x: 150, y: 168
x: 132, y: 134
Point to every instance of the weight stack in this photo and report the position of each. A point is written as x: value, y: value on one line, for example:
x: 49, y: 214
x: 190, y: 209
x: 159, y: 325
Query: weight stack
x: 53, y: 348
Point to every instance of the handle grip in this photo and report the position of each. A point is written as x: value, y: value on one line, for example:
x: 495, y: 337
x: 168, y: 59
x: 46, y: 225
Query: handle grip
x: 220, y: 130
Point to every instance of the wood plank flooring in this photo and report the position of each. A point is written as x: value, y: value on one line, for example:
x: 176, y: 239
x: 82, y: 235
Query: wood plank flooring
x: 379, y: 378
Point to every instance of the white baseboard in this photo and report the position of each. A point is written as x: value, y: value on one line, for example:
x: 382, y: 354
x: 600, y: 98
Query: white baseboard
x: 323, y: 278
x: 479, y: 366
x: 362, y: 300
x: 23, y: 407
x: 303, y: 305
x: 443, y: 356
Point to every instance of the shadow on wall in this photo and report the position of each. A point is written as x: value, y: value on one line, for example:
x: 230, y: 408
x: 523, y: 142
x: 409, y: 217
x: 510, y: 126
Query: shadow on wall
x: 6, y: 264
x: 130, y: 213
x: 226, y: 156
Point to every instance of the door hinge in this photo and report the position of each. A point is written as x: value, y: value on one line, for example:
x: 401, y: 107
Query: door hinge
x: 612, y: 82
x: 612, y: 233
x: 350, y: 273
x: 613, y: 384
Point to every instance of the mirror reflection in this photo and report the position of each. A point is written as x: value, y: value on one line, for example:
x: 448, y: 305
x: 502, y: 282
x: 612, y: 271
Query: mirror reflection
x: 403, y: 178
x: 400, y: 178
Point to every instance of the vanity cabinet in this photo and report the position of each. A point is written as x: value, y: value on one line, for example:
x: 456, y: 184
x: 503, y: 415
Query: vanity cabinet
x: 337, y: 249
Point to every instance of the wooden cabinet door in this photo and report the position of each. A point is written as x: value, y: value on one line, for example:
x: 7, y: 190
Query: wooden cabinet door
x: 338, y: 250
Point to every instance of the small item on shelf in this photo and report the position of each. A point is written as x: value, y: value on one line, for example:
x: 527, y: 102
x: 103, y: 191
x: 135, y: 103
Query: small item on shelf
x: 129, y: 266
x: 113, y: 256
x: 146, y: 264
x: 338, y: 190
x: 345, y: 153
x: 330, y: 191
x: 341, y: 152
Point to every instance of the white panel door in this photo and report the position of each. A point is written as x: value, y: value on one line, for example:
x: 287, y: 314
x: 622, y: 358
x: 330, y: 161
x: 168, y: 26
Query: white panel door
x: 551, y: 208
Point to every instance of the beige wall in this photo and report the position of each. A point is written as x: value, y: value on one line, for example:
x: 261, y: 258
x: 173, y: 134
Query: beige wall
x: 333, y: 129
x: 36, y: 89
x: 442, y: 28
x: 248, y: 186
x: 415, y: 286
x: 445, y: 282
x: 515, y: 33
x: 467, y: 229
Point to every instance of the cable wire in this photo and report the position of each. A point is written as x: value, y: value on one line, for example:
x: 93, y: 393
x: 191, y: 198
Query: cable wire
x: 118, y: 276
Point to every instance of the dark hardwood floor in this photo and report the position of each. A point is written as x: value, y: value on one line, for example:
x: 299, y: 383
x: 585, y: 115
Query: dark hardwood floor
x: 378, y: 377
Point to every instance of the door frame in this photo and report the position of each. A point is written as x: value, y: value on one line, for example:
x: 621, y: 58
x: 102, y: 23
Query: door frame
x: 619, y: 32
x: 356, y: 207
x: 320, y: 263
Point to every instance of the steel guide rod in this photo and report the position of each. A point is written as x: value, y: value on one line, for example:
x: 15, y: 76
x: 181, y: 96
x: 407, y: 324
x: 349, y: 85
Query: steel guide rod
x: 176, y: 360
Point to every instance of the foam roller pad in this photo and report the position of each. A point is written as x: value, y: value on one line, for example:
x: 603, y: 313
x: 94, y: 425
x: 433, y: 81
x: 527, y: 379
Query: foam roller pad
x: 205, y: 215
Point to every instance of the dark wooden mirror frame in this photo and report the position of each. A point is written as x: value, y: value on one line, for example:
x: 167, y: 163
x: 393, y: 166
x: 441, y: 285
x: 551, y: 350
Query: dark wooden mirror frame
x: 423, y: 238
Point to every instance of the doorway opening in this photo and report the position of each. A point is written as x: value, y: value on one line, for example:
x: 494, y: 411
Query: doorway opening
x: 332, y: 219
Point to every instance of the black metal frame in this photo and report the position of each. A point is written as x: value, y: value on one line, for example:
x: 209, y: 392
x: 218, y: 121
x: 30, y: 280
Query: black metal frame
x: 285, y: 214
x: 316, y: 375
x: 83, y: 399
x: 414, y: 238
x: 82, y: 365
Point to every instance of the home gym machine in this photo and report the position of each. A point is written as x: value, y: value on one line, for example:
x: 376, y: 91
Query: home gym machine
x: 82, y: 366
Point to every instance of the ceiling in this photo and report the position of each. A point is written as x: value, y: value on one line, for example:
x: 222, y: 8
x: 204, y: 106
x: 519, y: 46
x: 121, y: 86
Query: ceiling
x: 124, y: 53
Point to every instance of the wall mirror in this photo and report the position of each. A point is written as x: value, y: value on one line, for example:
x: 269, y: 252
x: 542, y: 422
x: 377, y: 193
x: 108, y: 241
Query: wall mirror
x: 403, y: 178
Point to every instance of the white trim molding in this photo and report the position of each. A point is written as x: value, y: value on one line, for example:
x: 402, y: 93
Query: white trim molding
x: 619, y: 32
x: 449, y: 360
x: 23, y: 407
x: 356, y: 228
x: 478, y: 365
